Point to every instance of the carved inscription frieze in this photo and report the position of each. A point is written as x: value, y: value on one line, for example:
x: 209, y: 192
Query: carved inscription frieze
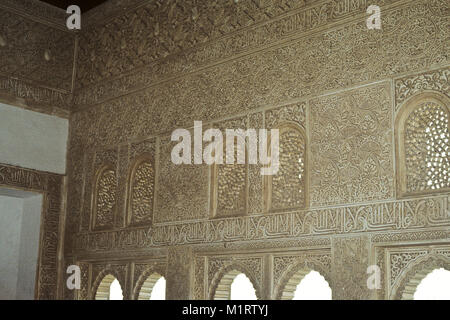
x: 416, y: 214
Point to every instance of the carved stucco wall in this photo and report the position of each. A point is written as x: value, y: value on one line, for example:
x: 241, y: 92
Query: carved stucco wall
x: 342, y: 84
x: 144, y: 69
x: 36, y: 57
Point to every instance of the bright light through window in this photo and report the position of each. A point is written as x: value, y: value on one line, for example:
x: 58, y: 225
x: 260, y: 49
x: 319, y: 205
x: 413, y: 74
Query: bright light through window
x: 159, y: 290
x: 242, y: 288
x: 313, y: 287
x: 115, y: 291
x: 435, y: 286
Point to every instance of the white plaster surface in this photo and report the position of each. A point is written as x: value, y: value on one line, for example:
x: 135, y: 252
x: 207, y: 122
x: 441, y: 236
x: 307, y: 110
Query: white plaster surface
x: 29, y: 247
x: 33, y: 140
x: 10, y: 224
x: 20, y: 215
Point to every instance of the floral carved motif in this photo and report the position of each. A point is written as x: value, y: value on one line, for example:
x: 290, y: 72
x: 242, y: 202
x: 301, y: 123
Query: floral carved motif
x: 438, y: 80
x: 351, y: 147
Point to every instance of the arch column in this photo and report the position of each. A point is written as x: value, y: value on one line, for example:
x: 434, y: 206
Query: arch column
x: 350, y: 259
x: 179, y: 274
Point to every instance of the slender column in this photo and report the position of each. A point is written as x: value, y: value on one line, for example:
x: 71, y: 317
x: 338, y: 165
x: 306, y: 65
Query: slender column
x: 179, y: 275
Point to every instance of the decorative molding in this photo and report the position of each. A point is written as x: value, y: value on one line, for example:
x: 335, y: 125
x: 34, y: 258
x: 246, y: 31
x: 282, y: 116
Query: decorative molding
x: 29, y: 96
x: 402, y: 215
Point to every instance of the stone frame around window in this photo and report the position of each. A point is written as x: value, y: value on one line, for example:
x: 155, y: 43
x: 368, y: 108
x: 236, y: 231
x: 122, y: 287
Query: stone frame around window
x: 51, y: 186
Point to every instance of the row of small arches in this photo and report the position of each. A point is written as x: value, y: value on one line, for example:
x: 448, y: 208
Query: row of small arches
x: 303, y: 286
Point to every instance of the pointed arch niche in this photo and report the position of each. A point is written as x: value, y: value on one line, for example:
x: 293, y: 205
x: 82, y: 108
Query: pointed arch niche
x: 104, y: 198
x: 141, y: 191
x: 229, y: 187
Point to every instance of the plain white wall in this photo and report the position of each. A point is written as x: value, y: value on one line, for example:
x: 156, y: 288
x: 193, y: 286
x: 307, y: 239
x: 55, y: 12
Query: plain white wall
x: 33, y: 140
x: 29, y: 247
x: 20, y: 220
x: 10, y: 224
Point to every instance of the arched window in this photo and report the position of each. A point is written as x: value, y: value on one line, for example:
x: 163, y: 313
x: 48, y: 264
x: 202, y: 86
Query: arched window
x: 435, y: 286
x: 312, y: 287
x: 304, y: 284
x: 153, y: 288
x: 287, y: 188
x: 229, y: 183
x: 159, y: 290
x: 141, y: 192
x: 423, y: 144
x: 242, y: 288
x: 104, y: 204
x: 115, y: 291
x: 109, y: 289
x: 235, y: 285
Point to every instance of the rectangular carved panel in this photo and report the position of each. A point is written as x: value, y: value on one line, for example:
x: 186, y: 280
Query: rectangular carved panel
x: 183, y: 189
x: 351, y: 147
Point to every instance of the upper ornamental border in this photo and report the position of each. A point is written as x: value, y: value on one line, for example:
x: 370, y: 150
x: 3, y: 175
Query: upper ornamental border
x: 109, y: 10
x: 38, y: 11
x: 307, y: 18
x: 33, y: 97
